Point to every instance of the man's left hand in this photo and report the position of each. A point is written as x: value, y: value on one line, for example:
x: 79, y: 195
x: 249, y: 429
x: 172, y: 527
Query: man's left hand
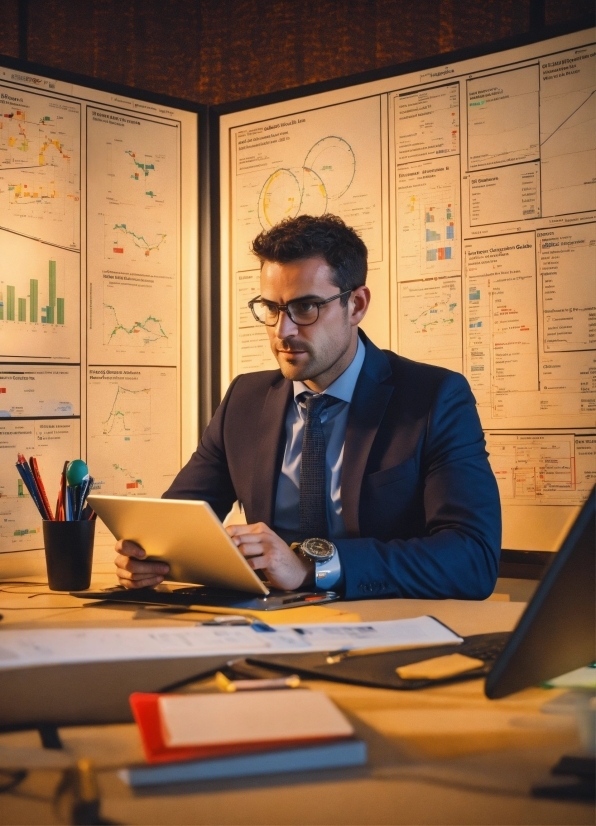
x: 266, y: 551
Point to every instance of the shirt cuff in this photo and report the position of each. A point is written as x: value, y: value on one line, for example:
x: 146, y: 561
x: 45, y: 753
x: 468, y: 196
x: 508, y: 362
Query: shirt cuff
x: 328, y: 574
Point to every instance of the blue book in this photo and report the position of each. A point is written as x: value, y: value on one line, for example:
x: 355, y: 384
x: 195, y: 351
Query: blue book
x: 339, y: 754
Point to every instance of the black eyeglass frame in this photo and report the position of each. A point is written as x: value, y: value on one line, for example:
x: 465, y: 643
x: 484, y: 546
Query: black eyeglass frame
x: 286, y: 308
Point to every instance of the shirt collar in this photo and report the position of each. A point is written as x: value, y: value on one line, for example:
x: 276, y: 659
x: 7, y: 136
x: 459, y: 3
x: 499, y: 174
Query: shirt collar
x: 343, y: 386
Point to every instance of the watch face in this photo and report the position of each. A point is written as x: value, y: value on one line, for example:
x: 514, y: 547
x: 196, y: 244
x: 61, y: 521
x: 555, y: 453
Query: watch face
x: 320, y: 549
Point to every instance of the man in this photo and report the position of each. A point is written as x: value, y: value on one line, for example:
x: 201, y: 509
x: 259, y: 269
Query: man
x: 379, y: 458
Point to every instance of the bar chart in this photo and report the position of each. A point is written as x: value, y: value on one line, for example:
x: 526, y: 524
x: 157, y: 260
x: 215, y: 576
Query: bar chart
x: 51, y: 313
x: 39, y: 301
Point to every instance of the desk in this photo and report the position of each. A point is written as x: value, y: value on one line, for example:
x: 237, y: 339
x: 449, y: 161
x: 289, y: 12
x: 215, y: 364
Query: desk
x: 442, y: 755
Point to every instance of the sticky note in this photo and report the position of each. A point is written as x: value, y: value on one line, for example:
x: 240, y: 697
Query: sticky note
x: 438, y: 668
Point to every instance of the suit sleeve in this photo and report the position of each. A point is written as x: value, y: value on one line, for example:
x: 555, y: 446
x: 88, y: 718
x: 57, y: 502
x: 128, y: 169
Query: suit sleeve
x: 457, y: 554
x: 206, y: 475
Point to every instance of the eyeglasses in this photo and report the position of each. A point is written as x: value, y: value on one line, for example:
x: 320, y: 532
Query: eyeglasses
x: 302, y: 311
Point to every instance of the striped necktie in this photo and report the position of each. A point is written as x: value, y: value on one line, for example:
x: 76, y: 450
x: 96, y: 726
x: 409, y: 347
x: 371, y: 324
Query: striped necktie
x: 313, y: 490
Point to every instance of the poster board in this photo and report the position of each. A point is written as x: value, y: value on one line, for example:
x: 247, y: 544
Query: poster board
x: 98, y: 290
x: 473, y: 185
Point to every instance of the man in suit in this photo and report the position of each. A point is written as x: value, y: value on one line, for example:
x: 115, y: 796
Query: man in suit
x: 358, y: 470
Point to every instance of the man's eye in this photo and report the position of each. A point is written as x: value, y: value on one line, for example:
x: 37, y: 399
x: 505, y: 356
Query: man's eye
x: 269, y: 306
x: 302, y: 307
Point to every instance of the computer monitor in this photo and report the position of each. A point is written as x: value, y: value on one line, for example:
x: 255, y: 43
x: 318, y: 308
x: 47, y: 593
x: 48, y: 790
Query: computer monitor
x: 557, y: 631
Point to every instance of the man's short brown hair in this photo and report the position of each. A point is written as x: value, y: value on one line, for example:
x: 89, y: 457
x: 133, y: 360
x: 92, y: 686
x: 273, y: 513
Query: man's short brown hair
x: 327, y: 237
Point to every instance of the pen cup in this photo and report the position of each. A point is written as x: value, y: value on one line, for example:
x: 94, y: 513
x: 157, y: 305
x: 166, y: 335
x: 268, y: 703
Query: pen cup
x: 69, y: 554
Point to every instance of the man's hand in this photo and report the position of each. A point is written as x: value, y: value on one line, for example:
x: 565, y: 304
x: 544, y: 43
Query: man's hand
x: 133, y: 570
x: 266, y: 551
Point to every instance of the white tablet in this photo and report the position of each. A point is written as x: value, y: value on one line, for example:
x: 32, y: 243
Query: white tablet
x: 184, y: 533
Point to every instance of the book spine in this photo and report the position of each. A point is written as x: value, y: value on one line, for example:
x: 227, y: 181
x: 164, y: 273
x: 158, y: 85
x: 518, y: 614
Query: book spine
x: 334, y: 755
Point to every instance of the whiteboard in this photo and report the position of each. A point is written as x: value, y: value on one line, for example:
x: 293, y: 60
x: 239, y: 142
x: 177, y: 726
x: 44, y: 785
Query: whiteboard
x: 473, y: 185
x: 98, y: 291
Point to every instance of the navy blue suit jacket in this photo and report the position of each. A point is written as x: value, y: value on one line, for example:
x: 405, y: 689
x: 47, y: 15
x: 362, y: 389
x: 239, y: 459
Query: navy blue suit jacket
x: 419, y: 499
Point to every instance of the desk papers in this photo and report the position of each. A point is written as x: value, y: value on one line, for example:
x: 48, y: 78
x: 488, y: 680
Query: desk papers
x: 44, y: 646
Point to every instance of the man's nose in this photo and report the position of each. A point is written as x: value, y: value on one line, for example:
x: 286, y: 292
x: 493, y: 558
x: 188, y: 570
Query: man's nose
x: 285, y: 326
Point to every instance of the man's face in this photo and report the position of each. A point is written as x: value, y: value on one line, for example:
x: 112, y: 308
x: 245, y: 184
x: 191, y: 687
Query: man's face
x: 316, y: 354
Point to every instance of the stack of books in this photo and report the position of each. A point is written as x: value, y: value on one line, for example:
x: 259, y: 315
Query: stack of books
x: 188, y: 737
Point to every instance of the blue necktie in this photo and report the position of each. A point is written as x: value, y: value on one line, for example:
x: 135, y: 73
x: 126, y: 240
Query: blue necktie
x: 313, y: 490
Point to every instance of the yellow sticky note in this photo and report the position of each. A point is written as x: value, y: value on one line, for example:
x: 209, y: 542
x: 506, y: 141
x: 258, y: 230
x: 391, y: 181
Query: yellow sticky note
x: 438, y: 668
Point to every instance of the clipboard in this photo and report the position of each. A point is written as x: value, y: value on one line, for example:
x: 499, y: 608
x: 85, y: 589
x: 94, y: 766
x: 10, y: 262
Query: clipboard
x: 378, y: 670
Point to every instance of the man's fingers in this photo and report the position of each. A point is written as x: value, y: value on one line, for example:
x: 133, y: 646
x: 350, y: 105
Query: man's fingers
x: 141, y: 567
x: 128, y: 548
x: 251, y: 539
x: 257, y: 563
x: 248, y: 530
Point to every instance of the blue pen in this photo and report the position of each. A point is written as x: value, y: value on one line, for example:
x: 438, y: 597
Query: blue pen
x: 70, y: 510
x: 28, y: 479
x: 84, y: 491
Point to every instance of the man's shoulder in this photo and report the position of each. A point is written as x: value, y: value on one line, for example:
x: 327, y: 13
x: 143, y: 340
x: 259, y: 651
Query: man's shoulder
x: 259, y: 379
x: 254, y: 385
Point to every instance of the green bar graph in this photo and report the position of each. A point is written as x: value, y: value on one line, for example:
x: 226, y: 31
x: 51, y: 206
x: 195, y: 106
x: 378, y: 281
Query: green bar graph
x: 52, y: 285
x: 10, y: 303
x: 33, y: 296
x: 54, y: 312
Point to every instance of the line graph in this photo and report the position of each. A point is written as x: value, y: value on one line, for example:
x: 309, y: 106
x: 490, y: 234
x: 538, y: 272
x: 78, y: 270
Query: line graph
x: 130, y: 412
x: 568, y: 134
x: 118, y: 247
x: 562, y: 124
x: 139, y: 333
x: 132, y: 429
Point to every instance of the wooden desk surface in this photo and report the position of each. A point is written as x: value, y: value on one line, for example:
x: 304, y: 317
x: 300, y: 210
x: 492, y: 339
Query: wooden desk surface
x: 437, y: 756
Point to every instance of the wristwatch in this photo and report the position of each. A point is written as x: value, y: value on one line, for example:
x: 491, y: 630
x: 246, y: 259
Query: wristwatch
x: 318, y: 550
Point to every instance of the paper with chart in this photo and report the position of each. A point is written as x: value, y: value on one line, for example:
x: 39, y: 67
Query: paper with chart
x: 428, y: 219
x: 133, y: 236
x: 321, y: 161
x: 50, y: 646
x: 51, y: 441
x: 427, y: 123
x: 39, y: 301
x: 568, y: 132
x: 557, y: 468
x: 430, y: 321
x: 503, y: 118
x: 29, y: 391
x: 516, y: 382
x: 40, y: 160
x: 132, y: 437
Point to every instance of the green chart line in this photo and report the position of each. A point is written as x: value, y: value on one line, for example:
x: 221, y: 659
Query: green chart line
x: 137, y: 326
x: 140, y: 240
x: 119, y: 415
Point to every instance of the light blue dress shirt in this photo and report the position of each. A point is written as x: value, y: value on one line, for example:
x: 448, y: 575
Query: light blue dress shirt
x: 334, y: 420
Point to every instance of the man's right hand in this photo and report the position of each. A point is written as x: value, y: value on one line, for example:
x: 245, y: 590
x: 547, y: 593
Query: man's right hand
x: 132, y: 569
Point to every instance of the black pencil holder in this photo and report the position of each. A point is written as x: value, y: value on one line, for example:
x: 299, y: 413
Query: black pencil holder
x: 69, y: 554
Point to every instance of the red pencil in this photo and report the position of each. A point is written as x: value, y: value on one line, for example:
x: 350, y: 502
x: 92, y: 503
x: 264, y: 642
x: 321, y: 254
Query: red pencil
x: 60, y: 509
x: 42, y: 490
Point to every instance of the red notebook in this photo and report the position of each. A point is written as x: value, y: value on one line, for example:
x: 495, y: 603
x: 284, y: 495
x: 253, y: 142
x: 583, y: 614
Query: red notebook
x: 145, y: 710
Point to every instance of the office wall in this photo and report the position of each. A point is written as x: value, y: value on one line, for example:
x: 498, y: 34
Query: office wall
x: 216, y: 51
x: 472, y: 185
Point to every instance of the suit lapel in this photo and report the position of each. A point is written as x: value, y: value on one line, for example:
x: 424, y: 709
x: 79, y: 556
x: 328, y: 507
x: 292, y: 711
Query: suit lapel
x: 269, y: 450
x: 369, y: 402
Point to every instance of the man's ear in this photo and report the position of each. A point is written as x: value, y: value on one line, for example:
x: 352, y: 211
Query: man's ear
x: 359, y: 302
